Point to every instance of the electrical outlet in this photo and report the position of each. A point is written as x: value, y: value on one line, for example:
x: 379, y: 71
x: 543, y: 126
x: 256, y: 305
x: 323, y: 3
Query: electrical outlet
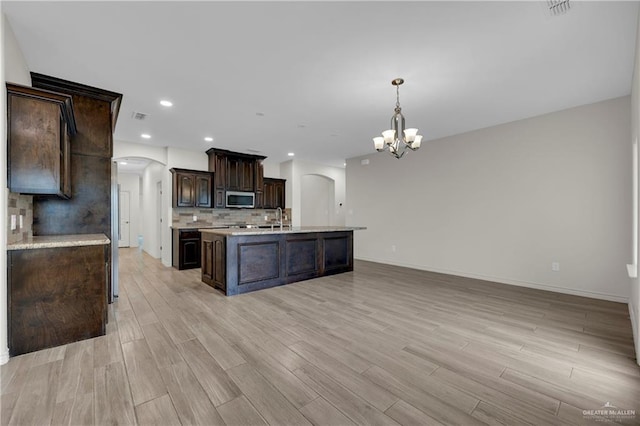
x: 555, y: 266
x: 393, y: 248
x: 13, y: 222
x: 195, y: 218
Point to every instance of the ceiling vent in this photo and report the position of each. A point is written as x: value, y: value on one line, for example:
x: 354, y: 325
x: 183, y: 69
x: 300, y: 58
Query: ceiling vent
x: 558, y: 7
x: 139, y: 115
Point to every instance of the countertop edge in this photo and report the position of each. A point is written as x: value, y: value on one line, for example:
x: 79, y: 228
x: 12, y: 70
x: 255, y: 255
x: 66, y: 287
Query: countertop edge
x: 59, y: 241
x: 300, y: 230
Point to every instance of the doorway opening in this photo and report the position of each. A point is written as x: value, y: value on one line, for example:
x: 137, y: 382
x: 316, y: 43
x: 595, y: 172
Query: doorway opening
x: 317, y: 201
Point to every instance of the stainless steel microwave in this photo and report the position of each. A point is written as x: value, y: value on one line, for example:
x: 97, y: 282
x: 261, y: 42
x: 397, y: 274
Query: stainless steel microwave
x: 241, y: 199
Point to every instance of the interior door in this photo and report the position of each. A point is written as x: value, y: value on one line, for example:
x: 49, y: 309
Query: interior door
x: 124, y: 219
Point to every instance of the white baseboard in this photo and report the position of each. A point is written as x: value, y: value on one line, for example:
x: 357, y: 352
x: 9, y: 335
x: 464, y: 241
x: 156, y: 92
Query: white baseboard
x: 539, y: 286
x: 4, y: 356
x: 635, y: 330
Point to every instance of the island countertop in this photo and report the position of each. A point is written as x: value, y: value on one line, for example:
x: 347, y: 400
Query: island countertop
x: 276, y: 230
x: 55, y: 241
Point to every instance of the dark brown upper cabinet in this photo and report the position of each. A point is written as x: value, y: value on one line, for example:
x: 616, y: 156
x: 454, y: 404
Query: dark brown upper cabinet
x: 273, y: 195
x: 40, y: 125
x: 240, y: 174
x: 192, y: 188
x: 259, y: 185
x: 218, y: 165
x: 234, y: 171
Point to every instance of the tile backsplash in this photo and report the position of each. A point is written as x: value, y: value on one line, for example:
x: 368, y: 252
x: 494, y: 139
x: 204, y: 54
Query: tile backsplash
x: 183, y: 217
x: 19, y: 204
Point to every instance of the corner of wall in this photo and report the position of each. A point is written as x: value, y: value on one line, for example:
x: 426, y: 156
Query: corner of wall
x: 4, y: 342
x: 634, y: 299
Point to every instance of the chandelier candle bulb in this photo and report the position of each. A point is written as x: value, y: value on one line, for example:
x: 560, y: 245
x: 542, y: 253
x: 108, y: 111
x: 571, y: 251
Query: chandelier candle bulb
x: 389, y: 136
x: 378, y: 142
x: 410, y: 134
x: 416, y: 143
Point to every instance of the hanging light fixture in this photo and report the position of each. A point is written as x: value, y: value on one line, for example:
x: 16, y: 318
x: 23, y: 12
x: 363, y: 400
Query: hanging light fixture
x: 398, y: 139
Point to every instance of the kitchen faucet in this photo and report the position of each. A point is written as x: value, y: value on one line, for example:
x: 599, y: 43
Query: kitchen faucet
x: 279, y: 216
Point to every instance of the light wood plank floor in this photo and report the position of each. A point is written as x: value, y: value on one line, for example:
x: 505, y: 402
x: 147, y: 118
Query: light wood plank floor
x: 380, y: 345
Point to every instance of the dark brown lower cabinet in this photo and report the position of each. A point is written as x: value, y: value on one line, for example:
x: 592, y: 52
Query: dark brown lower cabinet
x: 56, y: 296
x: 186, y: 248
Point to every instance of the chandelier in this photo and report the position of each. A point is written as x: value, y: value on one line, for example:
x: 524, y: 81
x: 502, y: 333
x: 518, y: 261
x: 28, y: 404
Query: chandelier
x: 397, y: 139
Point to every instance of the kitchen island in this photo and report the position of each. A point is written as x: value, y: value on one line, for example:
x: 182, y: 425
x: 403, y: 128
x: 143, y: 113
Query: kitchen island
x: 242, y: 260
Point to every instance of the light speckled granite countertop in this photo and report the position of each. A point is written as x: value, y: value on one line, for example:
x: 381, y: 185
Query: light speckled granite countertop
x: 276, y: 230
x: 56, y: 241
x: 195, y: 226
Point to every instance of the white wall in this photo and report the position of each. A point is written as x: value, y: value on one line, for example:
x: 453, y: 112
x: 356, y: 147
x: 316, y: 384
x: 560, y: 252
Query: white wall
x: 130, y: 182
x: 634, y: 287
x: 149, y: 210
x: 271, y: 169
x: 317, y: 201
x: 503, y: 203
x: 15, y: 65
x: 13, y: 68
x: 294, y: 170
x: 122, y: 149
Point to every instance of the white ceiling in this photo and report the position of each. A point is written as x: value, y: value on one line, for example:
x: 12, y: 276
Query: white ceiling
x: 320, y: 72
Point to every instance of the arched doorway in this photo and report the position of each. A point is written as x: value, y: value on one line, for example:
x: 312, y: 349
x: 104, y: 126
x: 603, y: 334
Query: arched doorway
x: 140, y: 203
x: 317, y: 201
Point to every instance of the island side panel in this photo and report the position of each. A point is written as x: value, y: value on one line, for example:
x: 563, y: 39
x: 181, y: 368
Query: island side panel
x: 254, y: 262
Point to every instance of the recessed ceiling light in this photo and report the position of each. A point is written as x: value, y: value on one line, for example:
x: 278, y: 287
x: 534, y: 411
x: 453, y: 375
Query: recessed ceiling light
x: 344, y: 164
x: 291, y: 154
x: 124, y: 163
x: 166, y: 103
x: 208, y: 139
x: 145, y: 136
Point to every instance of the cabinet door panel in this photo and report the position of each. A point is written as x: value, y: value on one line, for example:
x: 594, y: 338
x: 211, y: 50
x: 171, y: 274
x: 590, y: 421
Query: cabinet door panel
x: 219, y: 259
x: 247, y: 176
x: 191, y: 253
x: 220, y: 203
x: 233, y: 174
x: 34, y: 146
x: 203, y: 191
x: 207, y: 260
x: 267, y: 196
x: 185, y: 184
x: 279, y: 195
x: 220, y: 172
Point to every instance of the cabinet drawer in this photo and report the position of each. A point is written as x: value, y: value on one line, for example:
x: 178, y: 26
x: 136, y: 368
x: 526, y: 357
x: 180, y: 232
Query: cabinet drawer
x: 189, y: 234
